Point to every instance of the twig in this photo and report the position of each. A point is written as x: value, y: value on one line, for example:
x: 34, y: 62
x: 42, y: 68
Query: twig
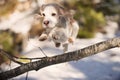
x: 42, y: 51
x: 27, y: 72
x: 10, y: 57
x: 28, y: 58
x: 27, y: 76
x: 13, y: 58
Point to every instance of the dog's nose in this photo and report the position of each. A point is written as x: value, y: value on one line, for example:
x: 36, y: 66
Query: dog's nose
x: 46, y: 22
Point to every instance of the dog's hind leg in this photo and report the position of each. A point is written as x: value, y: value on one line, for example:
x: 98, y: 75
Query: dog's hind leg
x: 57, y: 44
x: 75, y: 29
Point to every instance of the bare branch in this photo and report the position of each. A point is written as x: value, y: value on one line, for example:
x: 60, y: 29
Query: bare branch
x: 70, y: 56
x: 9, y: 56
x: 15, y: 58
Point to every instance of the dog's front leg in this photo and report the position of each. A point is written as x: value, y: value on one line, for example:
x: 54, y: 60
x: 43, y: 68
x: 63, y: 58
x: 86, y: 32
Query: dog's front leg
x: 65, y: 47
x: 54, y: 37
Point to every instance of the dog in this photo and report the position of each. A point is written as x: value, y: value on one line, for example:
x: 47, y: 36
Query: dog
x: 59, y: 24
x: 58, y: 33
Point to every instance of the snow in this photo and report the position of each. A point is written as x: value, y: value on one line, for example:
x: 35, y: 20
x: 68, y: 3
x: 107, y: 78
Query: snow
x: 111, y: 29
x: 102, y: 66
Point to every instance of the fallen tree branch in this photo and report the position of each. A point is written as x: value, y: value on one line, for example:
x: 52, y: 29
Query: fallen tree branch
x: 70, y: 56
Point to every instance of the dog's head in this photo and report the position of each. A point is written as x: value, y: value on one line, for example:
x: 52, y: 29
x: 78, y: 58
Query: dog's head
x: 51, y: 14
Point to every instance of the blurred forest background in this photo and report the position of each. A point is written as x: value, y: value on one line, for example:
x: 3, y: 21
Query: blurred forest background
x: 93, y: 16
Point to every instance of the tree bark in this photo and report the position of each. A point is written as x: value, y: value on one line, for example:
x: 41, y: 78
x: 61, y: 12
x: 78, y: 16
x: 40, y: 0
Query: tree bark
x: 70, y: 56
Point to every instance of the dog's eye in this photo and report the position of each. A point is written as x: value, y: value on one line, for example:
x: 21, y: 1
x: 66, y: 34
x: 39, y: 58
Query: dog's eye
x: 43, y: 14
x: 53, y: 14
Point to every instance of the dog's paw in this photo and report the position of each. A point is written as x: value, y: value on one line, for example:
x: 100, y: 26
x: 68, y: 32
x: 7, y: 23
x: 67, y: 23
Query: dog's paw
x: 43, y: 38
x: 70, y: 40
x: 57, y: 44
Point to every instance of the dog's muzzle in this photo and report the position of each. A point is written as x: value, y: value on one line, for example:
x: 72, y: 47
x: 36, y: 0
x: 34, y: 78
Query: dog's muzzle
x: 46, y: 22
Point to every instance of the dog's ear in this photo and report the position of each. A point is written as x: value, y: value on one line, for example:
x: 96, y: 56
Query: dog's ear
x: 62, y: 21
x: 38, y: 17
x: 61, y: 10
x: 41, y: 9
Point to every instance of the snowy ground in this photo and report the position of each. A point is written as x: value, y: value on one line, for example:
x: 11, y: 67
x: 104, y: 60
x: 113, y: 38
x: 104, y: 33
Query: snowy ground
x: 103, y: 66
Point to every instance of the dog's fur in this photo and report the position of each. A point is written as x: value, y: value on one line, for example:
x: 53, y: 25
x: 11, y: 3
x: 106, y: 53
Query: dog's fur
x: 59, y: 25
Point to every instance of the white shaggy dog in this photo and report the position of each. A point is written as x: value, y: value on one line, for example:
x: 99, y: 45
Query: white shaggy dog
x: 59, y: 25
